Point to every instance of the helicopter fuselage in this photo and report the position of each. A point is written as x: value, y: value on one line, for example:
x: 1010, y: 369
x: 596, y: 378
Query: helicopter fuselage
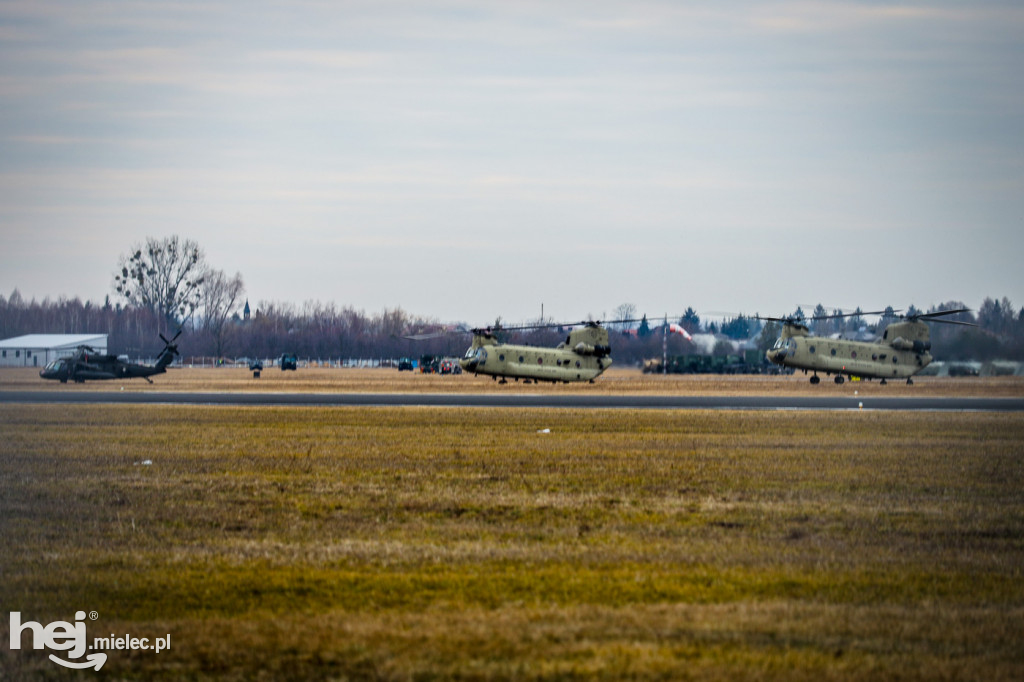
x: 582, y: 357
x: 902, y: 352
x: 88, y: 365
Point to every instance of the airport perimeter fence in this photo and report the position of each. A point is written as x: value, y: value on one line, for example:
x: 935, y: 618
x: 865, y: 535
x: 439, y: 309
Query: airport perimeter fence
x: 992, y: 368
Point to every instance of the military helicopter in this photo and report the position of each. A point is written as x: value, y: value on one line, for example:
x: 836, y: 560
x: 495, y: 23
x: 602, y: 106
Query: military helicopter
x: 583, y: 356
x: 901, y: 352
x: 88, y: 364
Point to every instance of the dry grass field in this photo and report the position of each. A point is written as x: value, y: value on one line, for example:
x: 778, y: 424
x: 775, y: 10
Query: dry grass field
x: 615, y: 380
x: 418, y: 544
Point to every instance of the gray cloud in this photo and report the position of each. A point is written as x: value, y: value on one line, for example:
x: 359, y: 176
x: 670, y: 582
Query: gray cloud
x: 735, y: 155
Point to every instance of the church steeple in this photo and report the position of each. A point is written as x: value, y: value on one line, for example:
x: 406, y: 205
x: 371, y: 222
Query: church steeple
x: 245, y: 311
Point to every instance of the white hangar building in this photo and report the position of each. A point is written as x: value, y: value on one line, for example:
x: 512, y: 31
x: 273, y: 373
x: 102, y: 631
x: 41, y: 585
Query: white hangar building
x: 36, y: 350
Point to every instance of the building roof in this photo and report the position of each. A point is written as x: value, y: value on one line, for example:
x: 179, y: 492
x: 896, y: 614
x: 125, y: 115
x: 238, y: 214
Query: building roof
x: 54, y: 341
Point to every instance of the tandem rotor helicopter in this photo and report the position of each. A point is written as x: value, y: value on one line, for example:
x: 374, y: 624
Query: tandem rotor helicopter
x: 88, y: 364
x: 901, y: 352
x: 583, y: 356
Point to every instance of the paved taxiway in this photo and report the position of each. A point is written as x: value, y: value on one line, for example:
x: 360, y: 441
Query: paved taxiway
x: 603, y: 401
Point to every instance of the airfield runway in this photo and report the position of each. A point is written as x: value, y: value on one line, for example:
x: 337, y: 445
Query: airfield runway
x: 603, y: 401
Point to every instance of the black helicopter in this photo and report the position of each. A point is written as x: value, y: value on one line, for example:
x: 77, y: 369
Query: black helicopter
x: 88, y: 364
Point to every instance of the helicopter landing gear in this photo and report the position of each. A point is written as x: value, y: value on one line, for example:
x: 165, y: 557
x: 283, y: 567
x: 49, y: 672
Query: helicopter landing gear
x: 910, y: 382
x: 883, y: 381
x: 503, y: 381
x: 840, y: 379
x: 815, y: 379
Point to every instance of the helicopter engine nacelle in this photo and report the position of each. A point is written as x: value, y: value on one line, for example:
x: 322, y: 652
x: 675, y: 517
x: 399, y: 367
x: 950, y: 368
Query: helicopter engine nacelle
x: 588, y: 349
x: 918, y: 346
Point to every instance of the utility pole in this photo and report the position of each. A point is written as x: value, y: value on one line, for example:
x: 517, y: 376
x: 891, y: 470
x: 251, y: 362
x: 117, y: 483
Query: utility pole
x: 664, y: 347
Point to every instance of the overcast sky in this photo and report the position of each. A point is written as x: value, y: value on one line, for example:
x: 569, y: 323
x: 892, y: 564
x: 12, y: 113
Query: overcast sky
x: 465, y: 160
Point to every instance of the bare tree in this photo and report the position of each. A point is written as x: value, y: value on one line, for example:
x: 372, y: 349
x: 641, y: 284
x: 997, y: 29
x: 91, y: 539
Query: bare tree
x: 625, y: 311
x: 165, y: 276
x: 221, y: 296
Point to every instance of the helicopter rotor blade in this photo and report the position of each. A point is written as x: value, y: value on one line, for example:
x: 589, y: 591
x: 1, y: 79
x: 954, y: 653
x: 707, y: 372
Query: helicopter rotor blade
x: 430, y: 335
x: 811, y: 318
x: 936, y: 317
x: 518, y: 328
x: 942, y: 313
x: 173, y: 338
x: 957, y: 322
x: 799, y: 321
x: 840, y: 315
x: 170, y: 345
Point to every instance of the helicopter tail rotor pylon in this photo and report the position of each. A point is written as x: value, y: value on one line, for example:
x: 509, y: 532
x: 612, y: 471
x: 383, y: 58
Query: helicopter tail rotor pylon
x: 169, y: 352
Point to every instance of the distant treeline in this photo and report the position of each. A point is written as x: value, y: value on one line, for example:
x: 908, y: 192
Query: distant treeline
x: 318, y: 330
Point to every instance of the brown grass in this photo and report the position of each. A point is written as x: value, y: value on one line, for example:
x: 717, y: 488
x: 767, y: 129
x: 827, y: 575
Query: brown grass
x: 416, y: 543
x: 614, y: 381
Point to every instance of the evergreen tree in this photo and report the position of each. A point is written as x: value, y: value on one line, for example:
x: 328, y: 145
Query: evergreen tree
x: 644, y: 330
x: 690, y: 321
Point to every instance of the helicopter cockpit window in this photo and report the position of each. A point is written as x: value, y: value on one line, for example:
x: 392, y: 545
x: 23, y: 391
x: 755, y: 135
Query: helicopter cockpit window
x: 779, y: 343
x: 55, y: 366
